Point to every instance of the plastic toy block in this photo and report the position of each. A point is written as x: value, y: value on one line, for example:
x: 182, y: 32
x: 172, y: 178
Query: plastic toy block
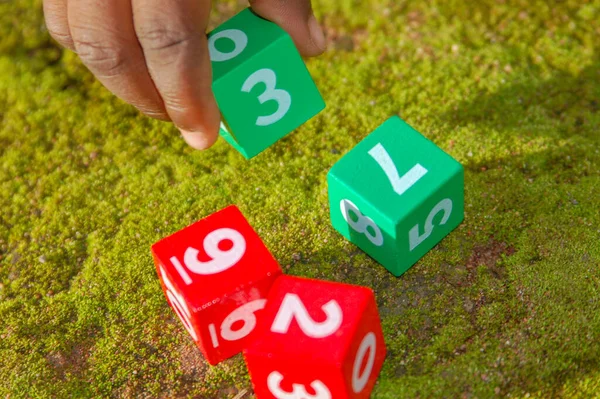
x: 396, y: 195
x: 260, y: 82
x: 316, y: 339
x: 216, y: 275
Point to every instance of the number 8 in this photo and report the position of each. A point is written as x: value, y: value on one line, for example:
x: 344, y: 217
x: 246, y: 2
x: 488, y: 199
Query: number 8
x: 363, y: 222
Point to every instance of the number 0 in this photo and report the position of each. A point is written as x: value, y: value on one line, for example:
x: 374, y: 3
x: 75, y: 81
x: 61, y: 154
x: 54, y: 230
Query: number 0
x: 239, y: 39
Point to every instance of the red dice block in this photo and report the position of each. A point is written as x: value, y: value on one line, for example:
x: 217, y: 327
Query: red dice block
x: 216, y: 275
x: 316, y: 340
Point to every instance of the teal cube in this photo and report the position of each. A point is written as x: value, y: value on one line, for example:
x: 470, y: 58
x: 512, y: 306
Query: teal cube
x: 396, y: 195
x: 260, y: 82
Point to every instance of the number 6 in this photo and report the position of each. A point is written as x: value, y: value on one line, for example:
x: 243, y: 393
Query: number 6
x: 246, y: 314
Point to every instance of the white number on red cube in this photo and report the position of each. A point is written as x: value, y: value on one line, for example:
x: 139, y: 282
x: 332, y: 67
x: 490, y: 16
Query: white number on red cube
x: 316, y: 340
x: 216, y: 275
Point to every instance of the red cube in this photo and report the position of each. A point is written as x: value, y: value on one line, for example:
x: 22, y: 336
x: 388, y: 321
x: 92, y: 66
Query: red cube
x: 316, y: 340
x: 216, y: 275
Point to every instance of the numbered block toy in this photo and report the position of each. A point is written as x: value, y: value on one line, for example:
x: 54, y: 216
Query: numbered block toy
x: 260, y: 82
x: 396, y: 195
x: 216, y: 275
x: 316, y: 340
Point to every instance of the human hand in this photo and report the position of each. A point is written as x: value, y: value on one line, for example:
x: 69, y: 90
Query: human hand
x: 154, y: 53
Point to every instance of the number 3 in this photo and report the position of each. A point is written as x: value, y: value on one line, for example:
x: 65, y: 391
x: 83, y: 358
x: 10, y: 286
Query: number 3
x: 282, y: 97
x: 298, y: 391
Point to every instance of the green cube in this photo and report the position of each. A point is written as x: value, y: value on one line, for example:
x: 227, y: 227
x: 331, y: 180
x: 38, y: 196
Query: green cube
x: 260, y: 82
x: 396, y: 195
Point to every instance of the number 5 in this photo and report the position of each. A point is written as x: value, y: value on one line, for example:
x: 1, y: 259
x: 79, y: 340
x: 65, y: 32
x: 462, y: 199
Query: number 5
x: 414, y: 238
x: 282, y: 97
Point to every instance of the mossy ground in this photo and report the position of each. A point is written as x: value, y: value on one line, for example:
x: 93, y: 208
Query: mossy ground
x: 508, y: 304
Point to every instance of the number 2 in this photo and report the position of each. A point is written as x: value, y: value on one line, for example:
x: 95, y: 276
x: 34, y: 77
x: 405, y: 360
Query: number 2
x: 292, y: 307
x: 282, y: 97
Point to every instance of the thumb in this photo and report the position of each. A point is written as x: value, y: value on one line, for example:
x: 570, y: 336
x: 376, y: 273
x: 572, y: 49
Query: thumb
x: 296, y: 18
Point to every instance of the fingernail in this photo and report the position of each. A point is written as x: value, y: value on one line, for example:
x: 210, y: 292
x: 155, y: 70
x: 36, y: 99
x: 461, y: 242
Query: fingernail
x: 316, y: 33
x: 197, y: 140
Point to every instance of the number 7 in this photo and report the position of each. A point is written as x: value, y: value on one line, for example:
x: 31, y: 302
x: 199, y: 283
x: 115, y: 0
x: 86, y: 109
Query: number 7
x: 399, y: 184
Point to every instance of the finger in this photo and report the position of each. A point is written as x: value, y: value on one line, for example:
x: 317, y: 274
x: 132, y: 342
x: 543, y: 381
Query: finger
x: 55, y: 13
x: 176, y: 50
x: 295, y: 17
x: 104, y: 38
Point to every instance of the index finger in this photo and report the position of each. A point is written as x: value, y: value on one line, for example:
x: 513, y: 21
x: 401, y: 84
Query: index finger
x: 175, y: 47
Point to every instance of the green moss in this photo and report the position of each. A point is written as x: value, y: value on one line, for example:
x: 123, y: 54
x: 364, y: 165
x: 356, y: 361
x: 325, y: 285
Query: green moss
x: 507, y: 304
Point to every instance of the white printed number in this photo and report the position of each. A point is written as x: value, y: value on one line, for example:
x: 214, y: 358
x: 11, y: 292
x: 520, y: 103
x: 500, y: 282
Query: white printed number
x: 179, y: 304
x: 282, y: 97
x: 292, y: 307
x: 362, y: 224
x: 399, y: 184
x: 414, y: 238
x: 402, y: 184
x: 359, y: 380
x: 245, y: 314
x: 298, y: 390
x: 239, y: 39
x: 220, y: 261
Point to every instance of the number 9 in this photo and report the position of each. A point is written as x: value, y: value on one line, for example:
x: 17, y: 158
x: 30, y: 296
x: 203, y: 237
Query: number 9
x: 221, y: 260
